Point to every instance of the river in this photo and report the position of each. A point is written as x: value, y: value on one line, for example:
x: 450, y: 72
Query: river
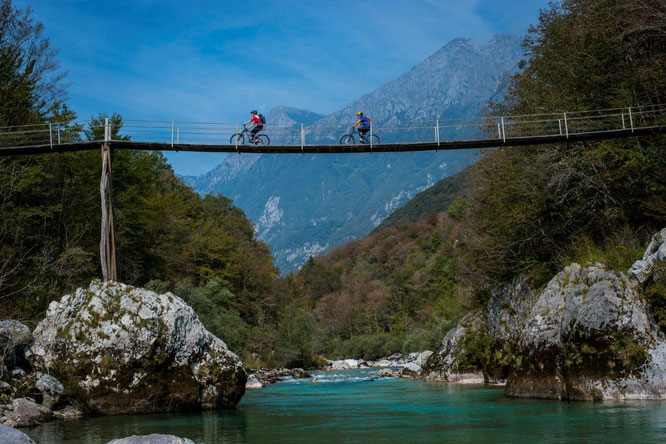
x: 348, y: 406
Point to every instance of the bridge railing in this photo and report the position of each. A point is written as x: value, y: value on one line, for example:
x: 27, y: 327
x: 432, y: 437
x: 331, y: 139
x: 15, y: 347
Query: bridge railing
x: 327, y: 132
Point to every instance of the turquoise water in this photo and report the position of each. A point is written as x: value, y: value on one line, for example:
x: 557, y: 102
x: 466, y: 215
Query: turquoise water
x: 349, y: 407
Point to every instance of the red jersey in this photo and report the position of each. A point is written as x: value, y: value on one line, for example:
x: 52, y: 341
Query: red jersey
x: 256, y: 120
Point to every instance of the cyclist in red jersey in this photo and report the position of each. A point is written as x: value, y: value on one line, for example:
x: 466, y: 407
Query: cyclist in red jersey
x: 258, y: 125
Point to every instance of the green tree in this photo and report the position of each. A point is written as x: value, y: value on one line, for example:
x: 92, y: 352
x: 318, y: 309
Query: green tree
x: 96, y: 131
x: 529, y: 206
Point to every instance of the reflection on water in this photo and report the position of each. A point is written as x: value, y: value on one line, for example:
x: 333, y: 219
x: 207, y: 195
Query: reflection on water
x: 351, y: 406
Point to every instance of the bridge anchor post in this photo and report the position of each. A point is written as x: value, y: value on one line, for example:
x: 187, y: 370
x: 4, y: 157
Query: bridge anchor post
x: 107, y: 244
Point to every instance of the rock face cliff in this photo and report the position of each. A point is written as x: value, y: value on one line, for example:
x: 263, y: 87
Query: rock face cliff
x: 119, y: 349
x: 588, y: 335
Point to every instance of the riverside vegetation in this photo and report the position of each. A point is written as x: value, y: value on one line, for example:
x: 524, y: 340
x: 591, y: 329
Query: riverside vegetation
x: 527, y: 211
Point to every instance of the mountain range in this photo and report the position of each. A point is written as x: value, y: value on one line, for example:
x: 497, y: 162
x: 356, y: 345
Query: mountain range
x: 304, y: 205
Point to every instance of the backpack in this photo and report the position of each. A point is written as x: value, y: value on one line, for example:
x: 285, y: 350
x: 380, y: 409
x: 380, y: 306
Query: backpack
x: 263, y: 119
x: 369, y: 119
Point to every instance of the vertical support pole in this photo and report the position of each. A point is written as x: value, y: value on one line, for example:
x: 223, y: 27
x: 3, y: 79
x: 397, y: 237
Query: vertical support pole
x: 371, y: 141
x: 51, y: 134
x: 566, y: 125
x: 624, y: 125
x: 499, y: 130
x: 631, y: 120
x: 178, y: 136
x: 237, y: 137
x: 302, y: 139
x: 172, y: 131
x: 107, y: 244
x: 107, y: 132
x: 58, y: 136
x: 559, y: 122
x: 503, y: 132
x: 437, y: 132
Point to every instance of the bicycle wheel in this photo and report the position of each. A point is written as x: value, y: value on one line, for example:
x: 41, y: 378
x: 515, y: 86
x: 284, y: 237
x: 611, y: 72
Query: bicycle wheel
x: 375, y: 139
x: 263, y: 139
x: 347, y: 139
x: 237, y: 139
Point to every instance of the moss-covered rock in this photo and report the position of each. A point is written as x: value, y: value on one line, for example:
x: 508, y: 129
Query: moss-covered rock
x: 592, y: 333
x: 589, y: 336
x: 454, y: 360
x: 120, y: 349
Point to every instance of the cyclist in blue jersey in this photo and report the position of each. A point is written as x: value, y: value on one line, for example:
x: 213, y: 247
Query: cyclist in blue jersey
x: 362, y: 125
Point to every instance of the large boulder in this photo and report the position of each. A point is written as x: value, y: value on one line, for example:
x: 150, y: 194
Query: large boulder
x: 253, y: 382
x: 15, y: 338
x: 422, y: 358
x: 343, y: 364
x: 9, y: 435
x: 50, y: 388
x: 120, y: 349
x: 20, y: 333
x: 26, y: 413
x: 589, y: 336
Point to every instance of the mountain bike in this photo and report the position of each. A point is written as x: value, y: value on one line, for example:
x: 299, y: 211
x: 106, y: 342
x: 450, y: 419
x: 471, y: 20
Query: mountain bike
x: 259, y: 139
x: 350, y: 139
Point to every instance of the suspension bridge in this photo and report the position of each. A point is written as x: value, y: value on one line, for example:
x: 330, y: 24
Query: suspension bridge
x: 324, y: 137
x: 319, y: 137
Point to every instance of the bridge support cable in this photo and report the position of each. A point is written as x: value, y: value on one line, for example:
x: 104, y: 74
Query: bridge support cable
x: 631, y: 120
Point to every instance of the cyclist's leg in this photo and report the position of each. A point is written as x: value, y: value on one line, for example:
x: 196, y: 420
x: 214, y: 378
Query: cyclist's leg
x: 363, y: 132
x: 254, y: 132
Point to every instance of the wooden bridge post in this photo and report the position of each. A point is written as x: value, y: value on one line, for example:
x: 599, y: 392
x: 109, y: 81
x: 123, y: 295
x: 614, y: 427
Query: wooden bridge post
x: 107, y: 244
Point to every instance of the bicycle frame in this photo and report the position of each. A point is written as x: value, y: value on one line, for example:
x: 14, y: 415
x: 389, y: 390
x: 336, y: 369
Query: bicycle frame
x: 246, y: 133
x: 357, y: 133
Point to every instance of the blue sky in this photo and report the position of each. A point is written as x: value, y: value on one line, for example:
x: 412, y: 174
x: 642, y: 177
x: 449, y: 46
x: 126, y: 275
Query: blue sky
x: 216, y: 60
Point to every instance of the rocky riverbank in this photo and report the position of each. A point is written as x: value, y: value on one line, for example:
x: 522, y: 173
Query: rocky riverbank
x: 589, y: 334
x: 263, y: 377
x: 408, y: 364
x: 113, y: 349
x: 396, y: 365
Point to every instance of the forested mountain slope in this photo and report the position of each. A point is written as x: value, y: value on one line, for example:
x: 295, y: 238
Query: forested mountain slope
x: 435, y: 199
